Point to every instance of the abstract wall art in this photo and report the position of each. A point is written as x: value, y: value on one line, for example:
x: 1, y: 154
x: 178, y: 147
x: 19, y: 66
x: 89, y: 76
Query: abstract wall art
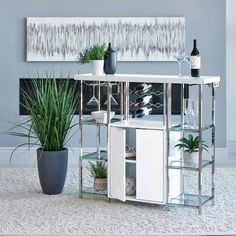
x: 134, y: 38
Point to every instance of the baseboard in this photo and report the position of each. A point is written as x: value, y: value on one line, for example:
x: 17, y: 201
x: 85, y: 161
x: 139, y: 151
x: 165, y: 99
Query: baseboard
x: 24, y: 157
x: 231, y: 147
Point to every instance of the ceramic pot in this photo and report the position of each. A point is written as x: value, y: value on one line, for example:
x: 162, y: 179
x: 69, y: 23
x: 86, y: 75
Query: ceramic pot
x: 110, y: 60
x: 52, y: 169
x: 191, y: 158
x: 100, y: 184
x: 97, y: 67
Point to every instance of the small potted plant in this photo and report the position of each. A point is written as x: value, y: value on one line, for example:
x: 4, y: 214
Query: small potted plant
x: 190, y: 145
x: 95, y: 55
x: 99, y: 172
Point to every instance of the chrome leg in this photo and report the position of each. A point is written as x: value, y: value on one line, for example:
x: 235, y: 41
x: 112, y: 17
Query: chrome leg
x: 164, y: 104
x: 126, y: 103
x: 121, y: 101
x: 98, y: 141
x: 200, y: 150
x: 213, y: 145
x: 168, y: 124
x: 80, y: 139
x: 98, y: 126
x: 109, y: 94
x: 182, y: 110
x: 99, y: 96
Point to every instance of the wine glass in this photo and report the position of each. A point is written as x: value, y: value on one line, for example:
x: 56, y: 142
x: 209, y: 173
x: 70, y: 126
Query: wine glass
x: 187, y: 111
x: 180, y: 58
x: 195, y: 113
x: 187, y: 59
x: 93, y: 101
x: 113, y: 100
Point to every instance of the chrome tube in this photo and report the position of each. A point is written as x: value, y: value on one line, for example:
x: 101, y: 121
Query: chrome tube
x: 126, y: 103
x: 121, y: 101
x: 80, y: 139
x: 214, y: 145
x: 109, y: 94
x: 168, y: 125
x: 200, y: 150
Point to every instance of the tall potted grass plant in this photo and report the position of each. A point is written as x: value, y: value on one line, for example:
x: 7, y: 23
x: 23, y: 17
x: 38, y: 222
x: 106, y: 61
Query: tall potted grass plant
x: 50, y: 105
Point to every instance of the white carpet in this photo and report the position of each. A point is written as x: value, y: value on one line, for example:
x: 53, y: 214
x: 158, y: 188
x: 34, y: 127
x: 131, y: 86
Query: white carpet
x: 24, y: 210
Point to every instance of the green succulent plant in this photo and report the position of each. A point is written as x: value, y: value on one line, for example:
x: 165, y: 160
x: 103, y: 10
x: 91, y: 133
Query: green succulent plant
x: 190, y: 144
x: 98, y: 170
x: 96, y: 52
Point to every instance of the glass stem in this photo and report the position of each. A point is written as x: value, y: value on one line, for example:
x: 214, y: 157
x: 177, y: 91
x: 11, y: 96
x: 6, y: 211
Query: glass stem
x: 179, y: 64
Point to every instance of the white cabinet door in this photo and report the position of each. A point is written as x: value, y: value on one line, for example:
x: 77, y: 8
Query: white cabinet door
x: 116, y: 163
x: 150, y: 165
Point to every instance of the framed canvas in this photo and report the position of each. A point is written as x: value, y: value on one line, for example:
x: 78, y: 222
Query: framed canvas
x: 134, y: 38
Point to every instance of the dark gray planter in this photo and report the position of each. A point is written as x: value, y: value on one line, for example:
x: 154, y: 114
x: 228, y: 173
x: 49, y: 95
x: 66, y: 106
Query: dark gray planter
x: 52, y: 169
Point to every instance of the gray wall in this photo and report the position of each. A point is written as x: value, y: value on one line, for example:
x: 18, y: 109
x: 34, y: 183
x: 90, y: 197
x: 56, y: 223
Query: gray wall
x: 231, y: 71
x: 205, y: 20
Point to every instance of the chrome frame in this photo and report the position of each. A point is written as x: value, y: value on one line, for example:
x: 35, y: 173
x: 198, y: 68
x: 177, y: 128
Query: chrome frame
x: 80, y: 139
x: 124, y: 107
x: 126, y: 103
x: 213, y: 144
x: 200, y: 149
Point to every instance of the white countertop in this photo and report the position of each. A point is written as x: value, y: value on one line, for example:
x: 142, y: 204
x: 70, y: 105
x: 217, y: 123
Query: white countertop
x: 139, y: 78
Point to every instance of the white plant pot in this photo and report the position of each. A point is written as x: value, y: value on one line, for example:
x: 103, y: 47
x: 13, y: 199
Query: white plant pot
x: 191, y: 158
x: 97, y: 67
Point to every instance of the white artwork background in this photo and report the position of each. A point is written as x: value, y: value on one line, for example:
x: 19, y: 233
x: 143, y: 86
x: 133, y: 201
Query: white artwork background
x: 134, y: 38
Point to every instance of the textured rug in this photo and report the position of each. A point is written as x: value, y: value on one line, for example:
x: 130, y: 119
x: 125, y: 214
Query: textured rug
x: 24, y: 210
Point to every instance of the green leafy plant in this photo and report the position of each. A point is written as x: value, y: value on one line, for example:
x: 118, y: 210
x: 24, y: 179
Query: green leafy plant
x: 98, y: 170
x: 51, y: 105
x: 96, y: 52
x: 191, y: 144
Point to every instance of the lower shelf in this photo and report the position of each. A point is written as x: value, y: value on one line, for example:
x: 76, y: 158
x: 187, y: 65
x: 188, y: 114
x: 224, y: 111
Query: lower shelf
x: 188, y: 166
x: 91, y: 190
x: 94, y: 156
x: 189, y: 200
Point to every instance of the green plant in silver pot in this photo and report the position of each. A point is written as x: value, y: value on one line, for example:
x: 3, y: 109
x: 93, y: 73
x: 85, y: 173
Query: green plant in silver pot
x: 190, y: 145
x: 50, y: 104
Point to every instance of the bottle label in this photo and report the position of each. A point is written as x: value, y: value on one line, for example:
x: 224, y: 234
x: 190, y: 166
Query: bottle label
x: 195, y: 62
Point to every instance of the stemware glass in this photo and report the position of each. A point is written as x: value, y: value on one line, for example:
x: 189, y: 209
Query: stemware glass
x: 93, y: 101
x: 187, y: 59
x: 188, y: 111
x: 113, y: 100
x: 195, y: 113
x: 180, y: 58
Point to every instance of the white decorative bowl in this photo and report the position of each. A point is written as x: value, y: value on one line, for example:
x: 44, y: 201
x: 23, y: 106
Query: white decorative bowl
x: 101, y: 116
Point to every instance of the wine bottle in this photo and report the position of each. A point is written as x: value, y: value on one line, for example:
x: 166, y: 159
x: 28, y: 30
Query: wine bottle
x: 142, y: 101
x: 141, y: 112
x: 142, y: 88
x: 195, y: 60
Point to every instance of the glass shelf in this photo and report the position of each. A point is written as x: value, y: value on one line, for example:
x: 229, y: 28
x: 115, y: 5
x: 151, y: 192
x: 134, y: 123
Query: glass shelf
x: 181, y: 164
x: 178, y: 128
x: 94, y: 156
x: 91, y: 121
x: 91, y: 190
x: 189, y: 200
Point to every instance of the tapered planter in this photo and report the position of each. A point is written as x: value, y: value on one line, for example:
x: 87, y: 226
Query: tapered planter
x: 52, y: 169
